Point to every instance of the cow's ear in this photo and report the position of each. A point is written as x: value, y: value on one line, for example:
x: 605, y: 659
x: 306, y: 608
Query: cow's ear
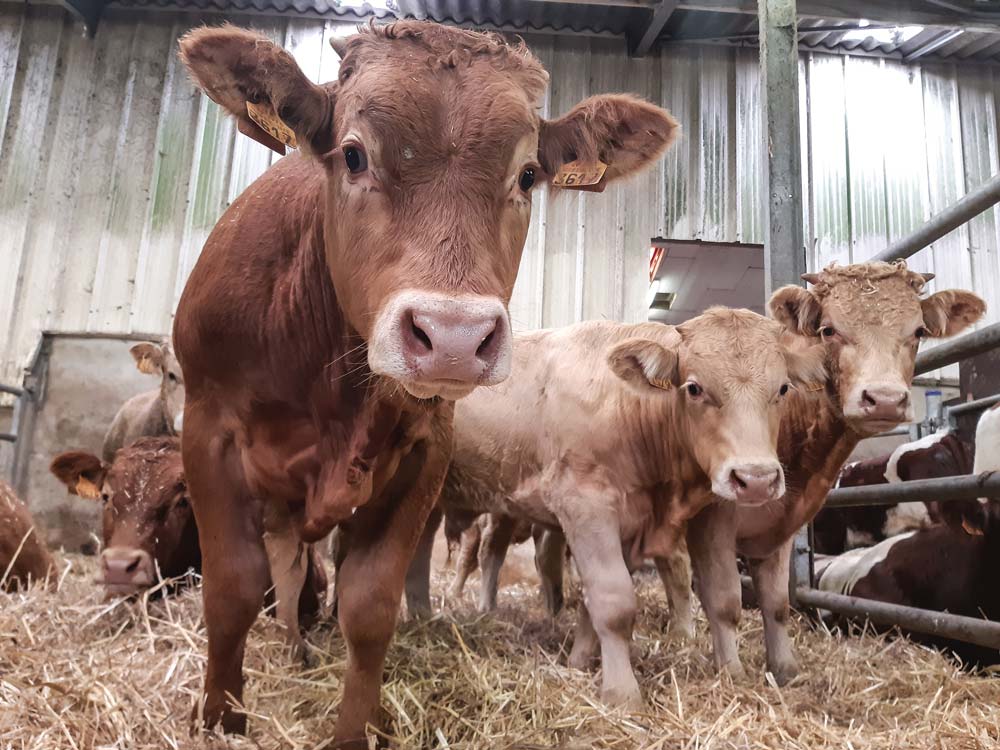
x: 82, y: 473
x: 262, y: 86
x: 951, y: 311
x: 148, y: 358
x: 807, y: 366
x: 797, y: 309
x: 645, y: 365
x: 623, y: 132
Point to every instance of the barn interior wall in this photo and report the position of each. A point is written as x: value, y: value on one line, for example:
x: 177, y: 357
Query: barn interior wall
x: 113, y: 170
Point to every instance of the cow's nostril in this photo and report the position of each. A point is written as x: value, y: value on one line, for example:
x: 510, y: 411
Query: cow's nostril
x: 735, y: 479
x: 867, y: 399
x: 132, y: 566
x: 483, y: 347
x: 420, y: 335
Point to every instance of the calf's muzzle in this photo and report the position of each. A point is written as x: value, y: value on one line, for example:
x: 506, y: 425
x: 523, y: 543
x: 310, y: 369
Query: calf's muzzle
x: 125, y: 570
x: 751, y: 483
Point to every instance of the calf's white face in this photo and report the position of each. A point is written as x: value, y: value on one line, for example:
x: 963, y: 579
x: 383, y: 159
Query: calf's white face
x: 159, y: 359
x: 726, y: 382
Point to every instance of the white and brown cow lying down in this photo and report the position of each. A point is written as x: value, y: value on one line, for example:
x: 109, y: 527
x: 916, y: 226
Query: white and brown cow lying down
x: 347, y: 297
x: 155, y: 413
x: 942, y: 454
x: 618, y: 434
x: 24, y: 556
x: 951, y: 566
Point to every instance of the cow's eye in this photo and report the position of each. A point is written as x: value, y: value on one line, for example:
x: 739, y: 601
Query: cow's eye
x: 355, y: 159
x: 183, y: 502
x: 527, y: 180
x: 105, y: 497
x: 921, y: 333
x: 171, y: 377
x: 827, y: 332
x: 694, y: 390
x: 783, y: 391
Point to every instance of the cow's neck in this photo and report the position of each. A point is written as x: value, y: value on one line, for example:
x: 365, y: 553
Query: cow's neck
x: 814, y: 444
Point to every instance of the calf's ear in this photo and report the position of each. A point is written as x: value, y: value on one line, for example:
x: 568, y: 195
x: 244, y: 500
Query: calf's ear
x: 148, y: 358
x: 644, y: 365
x: 951, y: 311
x: 797, y: 309
x: 807, y: 366
x: 237, y: 67
x: 82, y: 473
x: 624, y: 132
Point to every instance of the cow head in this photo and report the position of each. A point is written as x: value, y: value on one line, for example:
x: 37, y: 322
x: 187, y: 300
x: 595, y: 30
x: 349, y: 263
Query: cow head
x: 159, y: 359
x: 726, y: 378
x: 148, y: 525
x: 871, y: 318
x: 432, y: 147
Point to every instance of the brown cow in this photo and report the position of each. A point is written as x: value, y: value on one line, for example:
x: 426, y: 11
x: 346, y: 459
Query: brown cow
x: 24, y: 556
x: 374, y: 267
x: 870, y: 318
x: 618, y: 434
x: 155, y: 413
x: 148, y: 528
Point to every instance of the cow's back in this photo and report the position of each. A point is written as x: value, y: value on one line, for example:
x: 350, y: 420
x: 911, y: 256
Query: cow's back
x: 21, y: 543
x: 561, y: 403
x: 140, y: 416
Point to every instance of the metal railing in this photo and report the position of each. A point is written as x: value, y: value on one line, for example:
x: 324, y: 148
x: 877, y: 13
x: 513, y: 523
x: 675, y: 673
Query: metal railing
x: 981, y: 632
x: 18, y: 393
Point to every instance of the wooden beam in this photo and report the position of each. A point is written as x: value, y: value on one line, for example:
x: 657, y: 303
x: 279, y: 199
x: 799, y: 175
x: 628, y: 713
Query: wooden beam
x: 658, y: 19
x: 934, y: 44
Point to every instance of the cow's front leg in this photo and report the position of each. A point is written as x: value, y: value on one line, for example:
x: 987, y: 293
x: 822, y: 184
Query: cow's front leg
x: 675, y: 572
x: 608, y: 595
x: 234, y: 564
x: 550, y: 553
x: 492, y: 552
x: 288, y: 558
x: 770, y: 580
x: 711, y: 542
x: 370, y: 580
x: 418, y: 576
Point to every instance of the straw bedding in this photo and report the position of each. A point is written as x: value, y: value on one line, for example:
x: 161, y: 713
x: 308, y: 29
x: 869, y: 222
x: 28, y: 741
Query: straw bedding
x: 76, y: 672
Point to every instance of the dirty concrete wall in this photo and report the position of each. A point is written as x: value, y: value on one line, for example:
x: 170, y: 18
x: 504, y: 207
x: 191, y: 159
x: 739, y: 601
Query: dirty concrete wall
x: 87, y: 379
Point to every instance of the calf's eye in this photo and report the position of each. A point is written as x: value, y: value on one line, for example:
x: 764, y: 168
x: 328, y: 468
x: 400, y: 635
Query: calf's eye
x: 694, y: 390
x: 355, y: 159
x: 784, y: 389
x: 827, y: 331
x: 171, y: 377
x: 920, y: 333
x: 527, y: 180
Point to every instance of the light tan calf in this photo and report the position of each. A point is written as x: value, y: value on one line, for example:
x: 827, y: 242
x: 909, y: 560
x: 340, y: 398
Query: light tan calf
x: 870, y: 319
x: 619, y: 434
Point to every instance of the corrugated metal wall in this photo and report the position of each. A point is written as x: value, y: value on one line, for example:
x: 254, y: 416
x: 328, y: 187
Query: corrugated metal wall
x: 113, y: 170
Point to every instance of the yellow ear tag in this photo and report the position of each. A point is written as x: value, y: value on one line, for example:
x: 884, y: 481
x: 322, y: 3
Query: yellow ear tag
x: 971, y: 530
x: 578, y: 175
x: 146, y: 366
x: 86, y: 488
x: 268, y: 121
x: 663, y: 385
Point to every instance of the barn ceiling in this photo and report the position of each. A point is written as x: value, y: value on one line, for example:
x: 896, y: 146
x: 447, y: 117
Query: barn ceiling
x: 901, y: 29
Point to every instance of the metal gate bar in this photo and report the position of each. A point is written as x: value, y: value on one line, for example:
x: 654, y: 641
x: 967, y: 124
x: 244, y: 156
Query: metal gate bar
x: 11, y: 437
x: 971, y: 407
x: 967, y: 487
x: 971, y: 205
x: 984, y: 633
x: 969, y: 345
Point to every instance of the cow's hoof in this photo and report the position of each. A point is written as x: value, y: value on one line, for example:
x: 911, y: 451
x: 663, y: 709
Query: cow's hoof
x: 626, y: 698
x: 680, y: 631
x: 302, y: 654
x: 581, y: 658
x: 735, y: 670
x: 784, y: 673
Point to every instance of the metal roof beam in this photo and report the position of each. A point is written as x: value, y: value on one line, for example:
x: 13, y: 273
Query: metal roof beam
x: 899, y: 13
x: 607, y: 3
x: 89, y: 11
x: 934, y: 44
x: 661, y: 14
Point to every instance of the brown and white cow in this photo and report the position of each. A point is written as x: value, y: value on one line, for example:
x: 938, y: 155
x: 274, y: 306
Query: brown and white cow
x: 941, y: 454
x: 155, y: 413
x: 147, y: 525
x: 870, y: 318
x: 618, y: 434
x: 374, y: 268
x: 950, y: 567
x: 24, y: 556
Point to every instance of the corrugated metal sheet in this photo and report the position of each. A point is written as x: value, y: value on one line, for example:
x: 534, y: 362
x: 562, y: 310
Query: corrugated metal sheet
x: 113, y: 170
